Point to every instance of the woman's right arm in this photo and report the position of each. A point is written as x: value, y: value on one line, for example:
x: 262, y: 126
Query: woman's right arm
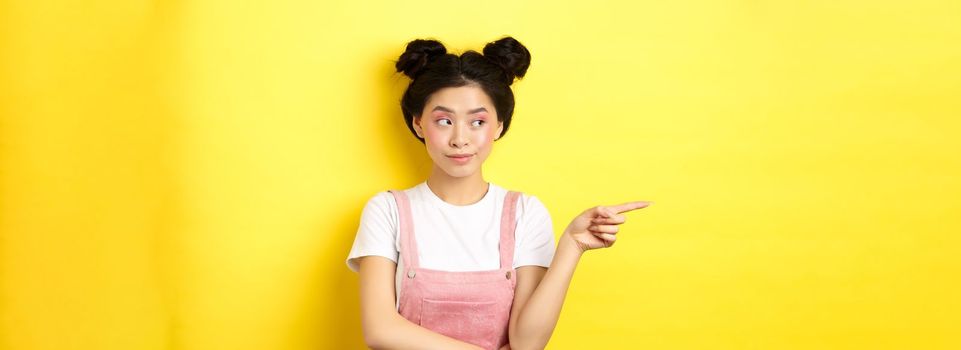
x: 383, y: 327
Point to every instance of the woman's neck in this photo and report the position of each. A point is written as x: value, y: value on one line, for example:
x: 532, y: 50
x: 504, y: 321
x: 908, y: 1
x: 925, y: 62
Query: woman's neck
x: 457, y: 190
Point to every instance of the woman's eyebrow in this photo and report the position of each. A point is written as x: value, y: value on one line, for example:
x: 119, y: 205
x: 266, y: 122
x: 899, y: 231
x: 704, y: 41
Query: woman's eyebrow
x: 448, y: 110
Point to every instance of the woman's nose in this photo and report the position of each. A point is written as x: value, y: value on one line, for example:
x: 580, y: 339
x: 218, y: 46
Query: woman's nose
x: 459, y: 138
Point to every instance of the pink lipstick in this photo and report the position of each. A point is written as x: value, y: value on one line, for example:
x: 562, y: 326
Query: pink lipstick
x: 460, y: 158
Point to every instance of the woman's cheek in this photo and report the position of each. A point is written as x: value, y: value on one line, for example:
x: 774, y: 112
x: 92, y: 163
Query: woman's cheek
x: 487, y: 136
x: 434, y: 137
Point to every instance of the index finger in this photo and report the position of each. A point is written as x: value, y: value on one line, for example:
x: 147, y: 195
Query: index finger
x: 624, y: 207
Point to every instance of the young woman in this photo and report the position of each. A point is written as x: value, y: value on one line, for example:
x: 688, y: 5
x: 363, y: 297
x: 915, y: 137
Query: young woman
x: 457, y: 262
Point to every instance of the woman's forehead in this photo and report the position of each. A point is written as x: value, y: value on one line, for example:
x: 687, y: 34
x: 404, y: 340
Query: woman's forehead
x: 460, y: 100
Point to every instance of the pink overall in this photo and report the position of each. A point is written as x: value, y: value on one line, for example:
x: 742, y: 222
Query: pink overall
x: 472, y: 306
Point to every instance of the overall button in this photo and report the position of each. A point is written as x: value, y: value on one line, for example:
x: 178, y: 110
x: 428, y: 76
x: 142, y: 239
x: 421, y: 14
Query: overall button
x: 411, y: 273
x: 508, y: 275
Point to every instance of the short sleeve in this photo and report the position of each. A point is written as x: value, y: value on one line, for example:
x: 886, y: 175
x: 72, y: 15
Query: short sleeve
x: 377, y: 232
x: 534, y: 234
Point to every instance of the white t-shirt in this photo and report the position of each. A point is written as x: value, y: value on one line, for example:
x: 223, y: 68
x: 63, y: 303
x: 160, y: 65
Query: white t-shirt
x: 452, y: 237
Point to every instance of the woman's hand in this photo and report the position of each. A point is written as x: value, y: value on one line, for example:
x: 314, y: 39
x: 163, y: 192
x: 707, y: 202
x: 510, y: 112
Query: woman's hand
x: 597, y: 227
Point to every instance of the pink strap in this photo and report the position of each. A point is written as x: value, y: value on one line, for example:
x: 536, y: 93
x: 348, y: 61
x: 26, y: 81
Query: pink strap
x: 507, y: 230
x: 408, y: 247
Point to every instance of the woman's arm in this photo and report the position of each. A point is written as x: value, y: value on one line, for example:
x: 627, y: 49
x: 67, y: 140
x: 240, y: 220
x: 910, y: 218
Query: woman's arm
x: 538, y: 301
x: 539, y: 296
x: 383, y: 327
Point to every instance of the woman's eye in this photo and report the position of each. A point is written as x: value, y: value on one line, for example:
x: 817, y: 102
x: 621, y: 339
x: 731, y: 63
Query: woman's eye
x: 444, y: 122
x: 477, y: 123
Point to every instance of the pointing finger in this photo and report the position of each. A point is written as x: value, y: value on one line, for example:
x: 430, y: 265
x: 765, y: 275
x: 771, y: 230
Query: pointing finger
x: 620, y: 208
x: 601, y: 211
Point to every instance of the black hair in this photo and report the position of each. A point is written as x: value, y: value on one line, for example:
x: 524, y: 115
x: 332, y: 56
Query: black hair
x: 431, y: 68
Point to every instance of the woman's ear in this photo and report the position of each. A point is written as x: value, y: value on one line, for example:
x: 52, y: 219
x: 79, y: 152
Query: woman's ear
x: 500, y: 129
x: 417, y: 128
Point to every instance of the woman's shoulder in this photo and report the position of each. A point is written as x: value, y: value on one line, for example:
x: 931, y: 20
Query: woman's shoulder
x: 384, y: 202
x: 385, y: 197
x: 380, y: 204
x: 534, y: 227
x: 526, y: 202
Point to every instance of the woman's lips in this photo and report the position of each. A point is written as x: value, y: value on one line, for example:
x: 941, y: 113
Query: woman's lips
x: 460, y: 158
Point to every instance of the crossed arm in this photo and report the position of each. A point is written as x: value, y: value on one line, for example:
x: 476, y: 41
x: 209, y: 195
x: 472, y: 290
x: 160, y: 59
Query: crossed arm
x: 384, y: 328
x: 538, y: 295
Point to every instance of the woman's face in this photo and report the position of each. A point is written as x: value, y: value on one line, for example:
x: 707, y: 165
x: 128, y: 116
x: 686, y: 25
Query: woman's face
x: 459, y: 126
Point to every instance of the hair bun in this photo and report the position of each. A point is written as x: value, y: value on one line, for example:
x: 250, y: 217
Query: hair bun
x: 418, y: 54
x: 511, y: 55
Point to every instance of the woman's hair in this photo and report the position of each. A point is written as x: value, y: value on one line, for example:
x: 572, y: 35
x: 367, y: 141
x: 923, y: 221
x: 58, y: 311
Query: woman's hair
x: 431, y: 68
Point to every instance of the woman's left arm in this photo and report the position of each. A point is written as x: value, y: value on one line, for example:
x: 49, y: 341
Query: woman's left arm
x: 540, y: 292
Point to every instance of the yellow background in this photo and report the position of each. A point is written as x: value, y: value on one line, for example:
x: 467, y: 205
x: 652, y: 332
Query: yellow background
x: 190, y: 174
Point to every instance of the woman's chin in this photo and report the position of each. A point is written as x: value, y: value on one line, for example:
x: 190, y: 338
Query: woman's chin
x: 459, y: 172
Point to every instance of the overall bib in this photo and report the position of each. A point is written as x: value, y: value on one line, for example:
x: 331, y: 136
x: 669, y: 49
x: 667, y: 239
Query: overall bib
x: 471, y: 306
